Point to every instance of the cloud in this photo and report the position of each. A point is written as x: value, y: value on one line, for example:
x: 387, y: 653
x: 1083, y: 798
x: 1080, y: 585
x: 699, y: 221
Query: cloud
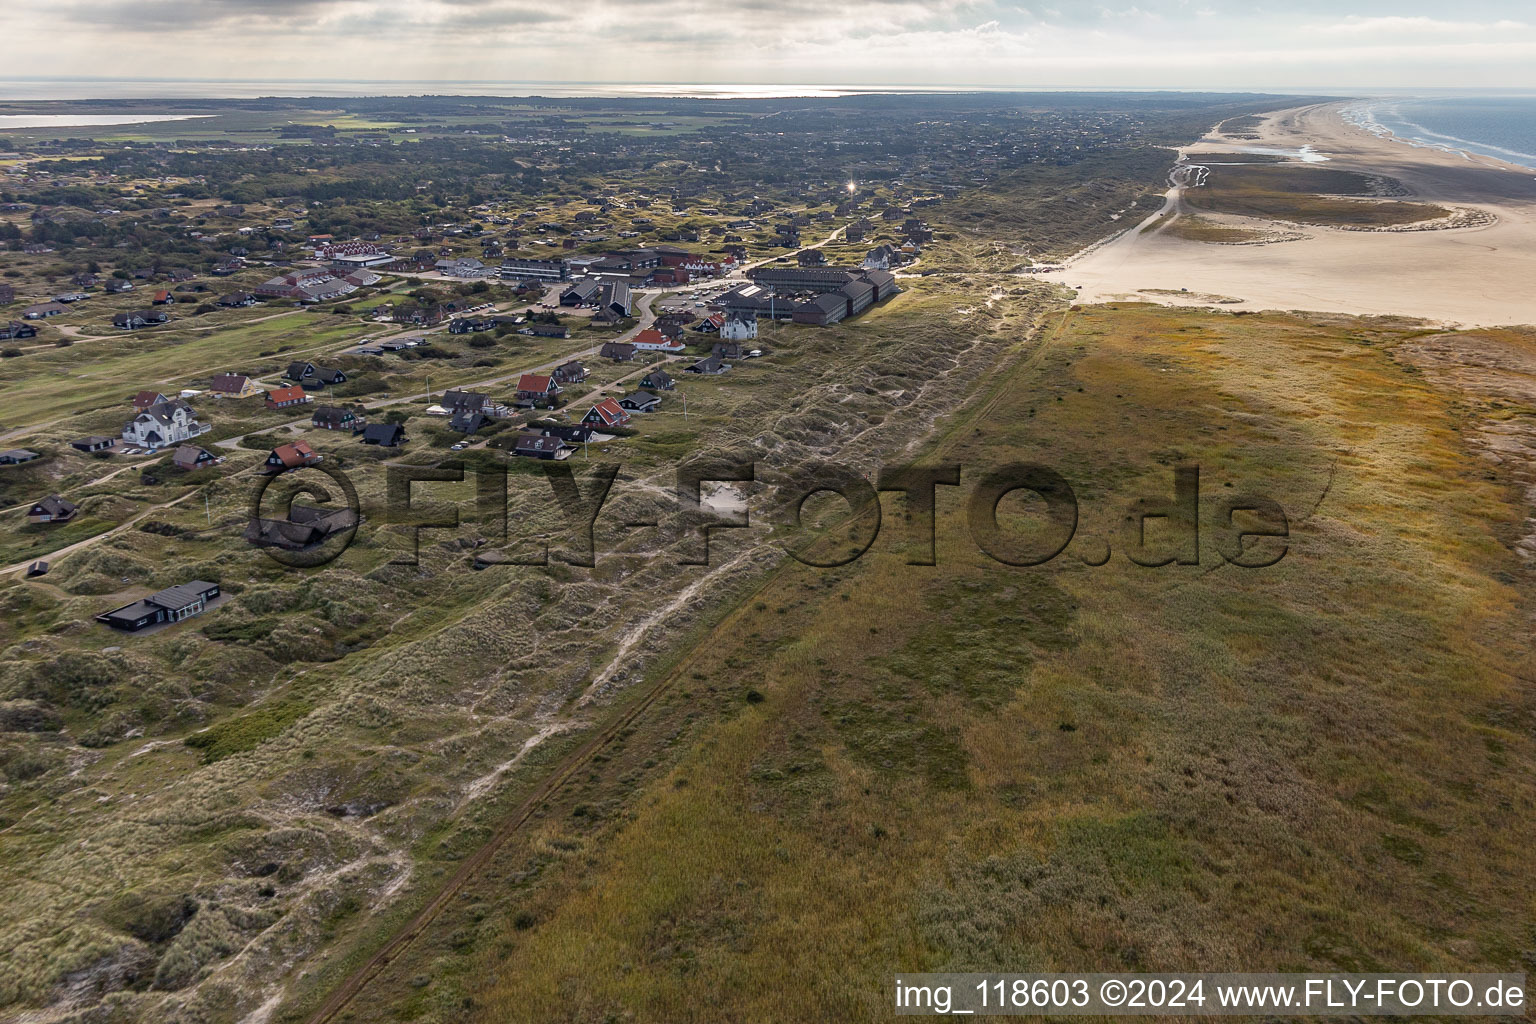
x: 1401, y: 25
x: 1289, y: 44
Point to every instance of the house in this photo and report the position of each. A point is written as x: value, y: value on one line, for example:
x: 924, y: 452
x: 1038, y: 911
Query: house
x: 570, y: 373
x: 534, y: 389
x: 144, y: 399
x: 711, y: 365
x: 618, y: 351
x: 710, y: 324
x: 727, y: 350
x: 607, y: 413
x: 333, y: 417
x: 468, y: 421
x: 16, y: 456
x: 43, y: 310
x: 546, y: 331
x: 881, y: 257
x: 658, y: 380
x: 140, y: 318
x: 386, y: 435
x: 652, y: 340
x: 537, y: 446
x: 287, y: 398
x: 165, y: 423
x: 305, y: 527
x: 117, y: 285
x: 52, y: 509
x: 189, y: 457
x: 456, y: 401
x: 162, y: 298
x: 94, y: 443
x: 470, y: 325
x: 312, y: 376
x: 169, y: 605
x: 739, y: 329
x: 233, y: 385
x: 291, y: 456
x: 639, y: 401
x: 16, y: 329
x: 236, y: 300
x: 581, y: 433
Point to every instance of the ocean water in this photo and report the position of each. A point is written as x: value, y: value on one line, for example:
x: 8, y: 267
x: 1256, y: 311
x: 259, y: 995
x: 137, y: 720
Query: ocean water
x: 1503, y: 127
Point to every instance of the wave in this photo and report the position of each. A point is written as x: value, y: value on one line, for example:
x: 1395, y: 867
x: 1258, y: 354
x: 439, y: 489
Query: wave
x: 1393, y: 122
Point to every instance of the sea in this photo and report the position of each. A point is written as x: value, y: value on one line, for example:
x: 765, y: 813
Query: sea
x: 1503, y: 127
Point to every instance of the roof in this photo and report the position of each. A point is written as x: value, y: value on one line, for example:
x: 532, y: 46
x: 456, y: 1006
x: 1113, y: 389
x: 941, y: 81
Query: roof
x: 56, y: 506
x: 181, y: 595
x: 609, y: 409
x: 387, y: 433
x: 537, y: 443
x: 295, y: 454
x: 536, y: 382
x: 229, y: 382
x: 293, y: 393
x: 189, y: 453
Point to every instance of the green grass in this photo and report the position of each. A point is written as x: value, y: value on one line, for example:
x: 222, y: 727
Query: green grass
x: 246, y: 732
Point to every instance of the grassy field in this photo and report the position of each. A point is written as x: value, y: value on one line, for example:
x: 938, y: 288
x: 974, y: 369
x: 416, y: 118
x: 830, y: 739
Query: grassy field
x: 324, y: 746
x: 1323, y: 764
x: 1305, y: 195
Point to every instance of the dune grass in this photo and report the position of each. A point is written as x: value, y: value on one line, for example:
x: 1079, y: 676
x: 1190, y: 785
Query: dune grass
x: 1306, y: 195
x: 1325, y: 764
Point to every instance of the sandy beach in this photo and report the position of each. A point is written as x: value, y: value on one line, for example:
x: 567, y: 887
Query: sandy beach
x: 1479, y: 275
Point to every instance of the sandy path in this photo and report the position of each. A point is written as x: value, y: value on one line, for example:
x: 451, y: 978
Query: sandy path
x: 1473, y: 276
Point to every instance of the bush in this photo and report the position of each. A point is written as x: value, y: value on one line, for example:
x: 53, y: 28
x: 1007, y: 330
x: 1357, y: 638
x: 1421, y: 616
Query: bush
x: 247, y: 731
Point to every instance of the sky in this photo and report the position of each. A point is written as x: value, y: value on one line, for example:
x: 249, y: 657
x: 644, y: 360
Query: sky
x: 1358, y: 45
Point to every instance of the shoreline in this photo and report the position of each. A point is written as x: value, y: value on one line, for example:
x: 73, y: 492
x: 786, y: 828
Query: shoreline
x: 1381, y: 131
x: 1470, y: 272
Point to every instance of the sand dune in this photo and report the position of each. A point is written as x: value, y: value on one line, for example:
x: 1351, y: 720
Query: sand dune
x: 1478, y: 275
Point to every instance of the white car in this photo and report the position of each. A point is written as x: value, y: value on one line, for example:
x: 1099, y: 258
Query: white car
x: 459, y: 447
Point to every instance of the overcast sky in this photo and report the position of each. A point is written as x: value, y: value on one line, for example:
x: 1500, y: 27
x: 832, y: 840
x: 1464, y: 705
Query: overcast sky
x: 1219, y: 44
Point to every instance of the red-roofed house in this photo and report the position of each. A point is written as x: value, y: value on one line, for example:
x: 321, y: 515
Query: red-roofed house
x: 607, y: 413
x: 144, y: 399
x: 291, y: 456
x: 534, y: 389
x: 284, y: 398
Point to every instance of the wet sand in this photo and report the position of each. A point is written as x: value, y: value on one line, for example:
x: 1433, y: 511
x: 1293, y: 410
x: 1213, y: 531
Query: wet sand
x: 1482, y: 275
